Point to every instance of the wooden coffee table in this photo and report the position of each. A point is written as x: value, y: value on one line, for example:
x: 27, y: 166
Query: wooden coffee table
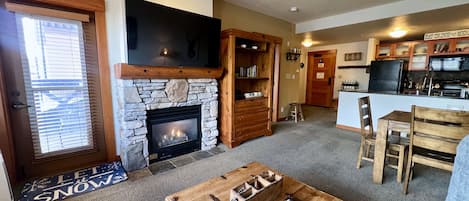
x: 218, y: 188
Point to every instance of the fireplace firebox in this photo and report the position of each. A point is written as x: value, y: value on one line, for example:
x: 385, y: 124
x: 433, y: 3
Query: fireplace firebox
x: 173, y: 131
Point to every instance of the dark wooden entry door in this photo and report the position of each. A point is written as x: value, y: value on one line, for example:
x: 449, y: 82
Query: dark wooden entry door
x: 33, y: 159
x: 320, y: 78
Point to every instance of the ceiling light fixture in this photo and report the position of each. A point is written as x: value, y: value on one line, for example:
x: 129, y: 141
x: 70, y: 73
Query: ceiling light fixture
x: 307, y: 42
x: 294, y: 9
x: 397, y: 33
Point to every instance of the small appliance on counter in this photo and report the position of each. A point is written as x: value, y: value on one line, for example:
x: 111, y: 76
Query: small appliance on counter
x: 350, y: 85
x: 453, y: 88
x: 387, y: 76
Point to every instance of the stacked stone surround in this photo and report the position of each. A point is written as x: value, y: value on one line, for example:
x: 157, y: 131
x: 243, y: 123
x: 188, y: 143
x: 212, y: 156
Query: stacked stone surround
x: 138, y: 96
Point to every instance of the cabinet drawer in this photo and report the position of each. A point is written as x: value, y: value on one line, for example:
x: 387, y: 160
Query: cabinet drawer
x: 250, y: 105
x: 252, y: 118
x: 241, y: 132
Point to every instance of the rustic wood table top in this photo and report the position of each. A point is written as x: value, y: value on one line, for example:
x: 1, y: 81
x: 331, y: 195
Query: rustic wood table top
x: 218, y: 188
x: 399, y: 116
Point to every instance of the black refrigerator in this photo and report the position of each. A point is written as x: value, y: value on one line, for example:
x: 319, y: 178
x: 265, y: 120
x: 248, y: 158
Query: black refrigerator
x: 387, y: 76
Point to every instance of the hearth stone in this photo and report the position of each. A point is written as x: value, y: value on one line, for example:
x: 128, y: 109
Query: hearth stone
x: 139, y: 95
x: 133, y: 158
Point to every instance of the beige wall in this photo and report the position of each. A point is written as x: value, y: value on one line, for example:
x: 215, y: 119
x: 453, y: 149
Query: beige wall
x: 203, y: 7
x: 340, y: 74
x: 233, y: 16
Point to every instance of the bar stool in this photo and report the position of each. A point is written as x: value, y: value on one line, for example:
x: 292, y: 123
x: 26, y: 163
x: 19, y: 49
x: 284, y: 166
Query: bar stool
x: 296, y: 113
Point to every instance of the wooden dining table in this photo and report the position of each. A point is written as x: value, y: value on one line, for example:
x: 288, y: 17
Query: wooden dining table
x: 396, y: 121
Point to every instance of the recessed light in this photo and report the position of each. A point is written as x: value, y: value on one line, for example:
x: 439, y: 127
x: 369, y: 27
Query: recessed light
x: 398, y: 33
x: 307, y: 43
x: 294, y: 9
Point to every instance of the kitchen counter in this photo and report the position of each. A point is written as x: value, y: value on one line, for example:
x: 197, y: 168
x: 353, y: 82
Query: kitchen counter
x: 404, y: 94
x: 382, y: 104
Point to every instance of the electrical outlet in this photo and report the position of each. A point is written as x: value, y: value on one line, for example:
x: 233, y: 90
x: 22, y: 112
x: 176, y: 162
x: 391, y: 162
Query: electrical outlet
x: 281, y: 109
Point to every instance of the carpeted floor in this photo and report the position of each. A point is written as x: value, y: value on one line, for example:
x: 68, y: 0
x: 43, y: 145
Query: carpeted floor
x: 313, y: 151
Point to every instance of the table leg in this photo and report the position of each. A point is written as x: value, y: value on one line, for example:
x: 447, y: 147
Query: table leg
x: 380, y: 151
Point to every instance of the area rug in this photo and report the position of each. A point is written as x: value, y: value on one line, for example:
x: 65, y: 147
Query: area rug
x: 74, y: 183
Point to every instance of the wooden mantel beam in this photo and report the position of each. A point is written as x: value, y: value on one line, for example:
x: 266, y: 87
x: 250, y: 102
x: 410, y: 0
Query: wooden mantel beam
x: 128, y: 71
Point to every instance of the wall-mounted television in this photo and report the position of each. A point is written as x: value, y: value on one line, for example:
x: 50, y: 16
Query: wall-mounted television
x: 162, y: 36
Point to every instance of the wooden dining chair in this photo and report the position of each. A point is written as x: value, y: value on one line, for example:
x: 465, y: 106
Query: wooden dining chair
x: 437, y: 132
x: 368, y: 138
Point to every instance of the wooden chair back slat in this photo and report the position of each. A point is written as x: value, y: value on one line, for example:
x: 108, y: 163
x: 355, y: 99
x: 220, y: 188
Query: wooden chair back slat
x: 450, y: 116
x: 366, y: 123
x: 436, y: 144
x: 444, y: 131
x: 437, y: 129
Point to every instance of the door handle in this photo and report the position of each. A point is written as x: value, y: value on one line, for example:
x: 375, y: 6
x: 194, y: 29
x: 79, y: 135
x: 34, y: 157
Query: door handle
x: 329, y: 81
x: 19, y: 105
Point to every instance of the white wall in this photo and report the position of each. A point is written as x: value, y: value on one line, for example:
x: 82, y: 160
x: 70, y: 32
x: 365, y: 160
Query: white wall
x: 382, y: 104
x: 340, y: 74
x: 117, y: 39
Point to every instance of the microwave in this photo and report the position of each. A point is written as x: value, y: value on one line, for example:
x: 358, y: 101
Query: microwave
x: 465, y: 63
x: 459, y: 63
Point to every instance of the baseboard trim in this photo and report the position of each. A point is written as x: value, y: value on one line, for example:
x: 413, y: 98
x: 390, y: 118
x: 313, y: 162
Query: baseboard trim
x: 349, y: 128
x: 282, y: 119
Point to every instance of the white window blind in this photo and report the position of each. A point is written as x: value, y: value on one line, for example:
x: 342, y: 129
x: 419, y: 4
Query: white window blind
x: 55, y: 77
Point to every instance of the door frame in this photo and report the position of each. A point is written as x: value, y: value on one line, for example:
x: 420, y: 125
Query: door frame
x: 98, y: 8
x: 6, y: 137
x: 276, y: 82
x: 331, y: 100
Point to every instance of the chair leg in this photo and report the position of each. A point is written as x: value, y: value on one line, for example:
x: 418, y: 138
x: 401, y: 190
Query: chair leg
x: 296, y: 113
x: 400, y: 163
x: 407, y: 174
x: 412, y: 171
x: 368, y: 148
x: 302, y: 118
x: 360, y: 153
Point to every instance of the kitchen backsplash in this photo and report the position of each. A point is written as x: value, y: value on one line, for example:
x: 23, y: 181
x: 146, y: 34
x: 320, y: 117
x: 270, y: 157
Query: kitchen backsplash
x: 418, y: 76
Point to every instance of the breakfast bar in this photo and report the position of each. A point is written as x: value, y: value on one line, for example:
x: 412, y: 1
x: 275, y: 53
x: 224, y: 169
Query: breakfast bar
x: 382, y: 104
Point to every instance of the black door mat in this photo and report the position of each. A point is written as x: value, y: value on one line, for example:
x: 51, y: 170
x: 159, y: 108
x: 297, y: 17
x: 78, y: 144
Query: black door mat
x: 74, y: 183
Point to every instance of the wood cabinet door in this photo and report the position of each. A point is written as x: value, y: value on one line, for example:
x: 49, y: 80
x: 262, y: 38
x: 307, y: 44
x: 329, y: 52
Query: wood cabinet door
x: 320, y: 80
x: 418, y: 59
x: 461, y: 45
x: 384, y: 51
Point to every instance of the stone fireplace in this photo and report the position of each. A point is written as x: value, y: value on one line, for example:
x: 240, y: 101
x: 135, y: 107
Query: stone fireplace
x: 173, y: 131
x: 140, y: 98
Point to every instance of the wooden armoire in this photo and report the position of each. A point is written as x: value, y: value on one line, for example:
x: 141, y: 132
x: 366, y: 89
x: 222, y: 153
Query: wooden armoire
x: 251, y: 65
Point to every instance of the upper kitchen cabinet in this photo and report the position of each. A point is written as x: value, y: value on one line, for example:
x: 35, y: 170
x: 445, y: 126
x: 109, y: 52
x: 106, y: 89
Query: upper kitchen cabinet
x: 402, y: 49
x: 440, y: 47
x: 393, y: 50
x: 461, y: 45
x: 383, y: 51
x: 419, y: 56
x: 449, y: 46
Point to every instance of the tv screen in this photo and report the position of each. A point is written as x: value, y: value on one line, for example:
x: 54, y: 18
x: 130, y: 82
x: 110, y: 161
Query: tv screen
x: 162, y: 36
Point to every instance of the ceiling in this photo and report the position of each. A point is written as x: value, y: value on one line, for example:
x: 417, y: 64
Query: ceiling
x: 308, y: 9
x: 318, y: 11
x: 417, y: 24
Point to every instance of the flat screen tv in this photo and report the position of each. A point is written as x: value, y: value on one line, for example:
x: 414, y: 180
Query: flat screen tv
x: 162, y: 36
